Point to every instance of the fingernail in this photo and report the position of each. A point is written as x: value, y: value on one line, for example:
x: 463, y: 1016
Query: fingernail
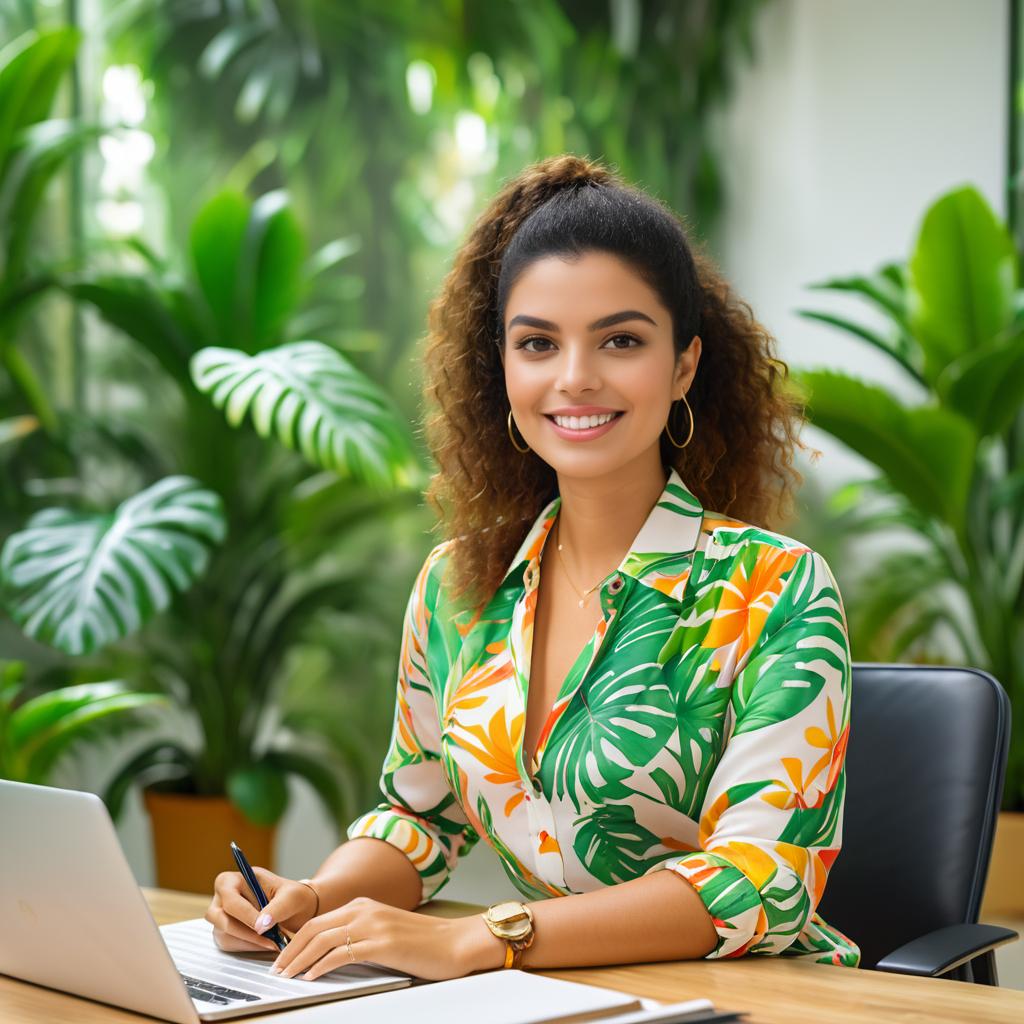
x: 275, y: 969
x: 263, y: 922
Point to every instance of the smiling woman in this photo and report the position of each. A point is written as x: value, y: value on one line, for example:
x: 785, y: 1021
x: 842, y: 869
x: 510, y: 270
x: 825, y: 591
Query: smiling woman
x: 651, y: 724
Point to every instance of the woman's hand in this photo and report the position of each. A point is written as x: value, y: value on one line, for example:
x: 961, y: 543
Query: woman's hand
x: 433, y: 948
x: 238, y: 922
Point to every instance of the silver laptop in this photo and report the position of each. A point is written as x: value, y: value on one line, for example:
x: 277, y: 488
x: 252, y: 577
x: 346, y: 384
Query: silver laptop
x: 74, y: 920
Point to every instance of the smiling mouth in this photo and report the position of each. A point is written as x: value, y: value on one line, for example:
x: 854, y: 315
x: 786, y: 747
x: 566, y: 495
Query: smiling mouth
x: 583, y: 422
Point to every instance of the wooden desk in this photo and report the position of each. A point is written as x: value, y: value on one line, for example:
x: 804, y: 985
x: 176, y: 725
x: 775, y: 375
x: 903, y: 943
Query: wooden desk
x: 774, y: 990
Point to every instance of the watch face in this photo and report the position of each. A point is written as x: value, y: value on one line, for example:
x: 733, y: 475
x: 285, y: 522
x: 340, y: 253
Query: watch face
x: 507, y: 912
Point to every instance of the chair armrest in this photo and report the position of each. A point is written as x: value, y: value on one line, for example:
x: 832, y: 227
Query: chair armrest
x: 945, y: 949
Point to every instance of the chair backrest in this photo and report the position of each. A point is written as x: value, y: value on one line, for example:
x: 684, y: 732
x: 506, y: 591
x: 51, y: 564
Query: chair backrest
x: 925, y: 765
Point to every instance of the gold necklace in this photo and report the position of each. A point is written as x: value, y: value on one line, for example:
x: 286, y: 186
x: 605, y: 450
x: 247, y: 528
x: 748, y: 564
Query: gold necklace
x: 581, y: 594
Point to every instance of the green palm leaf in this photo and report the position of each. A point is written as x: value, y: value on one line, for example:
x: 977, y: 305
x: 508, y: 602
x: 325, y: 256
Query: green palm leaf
x: 79, y: 581
x: 926, y: 452
x: 31, y: 69
x: 314, y: 401
x: 963, y: 277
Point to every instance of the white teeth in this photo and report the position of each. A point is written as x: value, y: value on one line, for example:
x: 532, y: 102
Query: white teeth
x: 583, y: 422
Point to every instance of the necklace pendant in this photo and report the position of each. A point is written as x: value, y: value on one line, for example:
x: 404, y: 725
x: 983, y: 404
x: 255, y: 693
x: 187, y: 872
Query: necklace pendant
x: 581, y: 602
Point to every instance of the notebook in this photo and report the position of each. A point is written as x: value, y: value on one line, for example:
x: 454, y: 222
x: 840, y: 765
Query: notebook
x: 499, y: 997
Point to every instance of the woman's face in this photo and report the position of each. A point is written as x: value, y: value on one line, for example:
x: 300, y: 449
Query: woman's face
x: 590, y: 367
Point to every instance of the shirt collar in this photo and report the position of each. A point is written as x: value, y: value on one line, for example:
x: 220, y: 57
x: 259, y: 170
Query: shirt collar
x: 659, y: 556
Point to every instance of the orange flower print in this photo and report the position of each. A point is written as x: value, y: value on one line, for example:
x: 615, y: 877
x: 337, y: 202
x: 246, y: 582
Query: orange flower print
x: 746, y: 601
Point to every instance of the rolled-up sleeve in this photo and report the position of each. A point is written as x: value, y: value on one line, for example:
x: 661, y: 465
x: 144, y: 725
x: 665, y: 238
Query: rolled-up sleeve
x: 771, y: 821
x: 419, y: 814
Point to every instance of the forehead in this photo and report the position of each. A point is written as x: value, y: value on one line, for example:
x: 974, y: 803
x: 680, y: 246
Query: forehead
x: 594, y: 283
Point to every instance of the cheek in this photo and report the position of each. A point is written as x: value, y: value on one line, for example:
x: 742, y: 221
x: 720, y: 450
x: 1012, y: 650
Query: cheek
x: 647, y: 386
x: 523, y: 386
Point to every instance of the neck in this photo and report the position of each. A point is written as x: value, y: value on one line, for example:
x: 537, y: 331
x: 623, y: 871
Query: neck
x: 599, y: 517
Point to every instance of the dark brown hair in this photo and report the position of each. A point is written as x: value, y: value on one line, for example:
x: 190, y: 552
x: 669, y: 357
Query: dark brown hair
x: 740, y: 459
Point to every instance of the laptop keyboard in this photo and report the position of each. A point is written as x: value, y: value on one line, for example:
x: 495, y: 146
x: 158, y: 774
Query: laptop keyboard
x: 207, y: 992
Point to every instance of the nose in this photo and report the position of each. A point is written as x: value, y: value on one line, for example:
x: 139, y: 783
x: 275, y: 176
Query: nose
x: 577, y: 370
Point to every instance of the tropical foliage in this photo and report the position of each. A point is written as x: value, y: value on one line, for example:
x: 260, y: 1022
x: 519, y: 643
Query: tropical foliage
x: 208, y: 344
x: 238, y: 551
x: 36, y: 733
x: 950, y: 463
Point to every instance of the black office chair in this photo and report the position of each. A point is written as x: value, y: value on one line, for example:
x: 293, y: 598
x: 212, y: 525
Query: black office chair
x: 925, y: 765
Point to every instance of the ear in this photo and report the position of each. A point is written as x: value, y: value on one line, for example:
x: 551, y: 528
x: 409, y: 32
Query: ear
x: 686, y: 368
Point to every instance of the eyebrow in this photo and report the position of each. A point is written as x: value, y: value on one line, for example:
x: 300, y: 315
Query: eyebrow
x: 597, y: 325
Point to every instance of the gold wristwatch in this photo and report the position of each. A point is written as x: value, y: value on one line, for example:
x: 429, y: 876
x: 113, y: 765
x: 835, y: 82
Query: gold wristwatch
x: 513, y: 923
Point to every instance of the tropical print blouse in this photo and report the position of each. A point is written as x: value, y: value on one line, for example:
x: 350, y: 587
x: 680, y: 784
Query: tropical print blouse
x: 702, y: 729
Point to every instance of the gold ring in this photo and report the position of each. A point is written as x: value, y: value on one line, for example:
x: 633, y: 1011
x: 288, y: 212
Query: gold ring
x: 348, y: 943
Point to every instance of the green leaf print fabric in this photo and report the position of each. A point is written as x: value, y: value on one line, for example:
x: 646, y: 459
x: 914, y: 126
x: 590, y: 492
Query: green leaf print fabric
x: 701, y: 730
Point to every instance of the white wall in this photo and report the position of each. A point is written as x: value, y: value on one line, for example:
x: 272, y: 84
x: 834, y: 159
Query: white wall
x: 858, y: 115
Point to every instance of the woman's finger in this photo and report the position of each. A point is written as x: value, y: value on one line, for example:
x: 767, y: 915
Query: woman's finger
x: 232, y: 944
x: 229, y: 926
x: 337, y: 958
x: 318, y: 946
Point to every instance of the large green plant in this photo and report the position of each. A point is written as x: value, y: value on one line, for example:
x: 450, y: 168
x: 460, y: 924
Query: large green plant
x: 243, y: 551
x: 204, y: 582
x: 951, y: 464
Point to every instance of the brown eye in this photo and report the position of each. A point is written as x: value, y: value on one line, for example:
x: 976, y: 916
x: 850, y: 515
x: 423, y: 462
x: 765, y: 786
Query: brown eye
x: 628, y: 339
x: 524, y: 343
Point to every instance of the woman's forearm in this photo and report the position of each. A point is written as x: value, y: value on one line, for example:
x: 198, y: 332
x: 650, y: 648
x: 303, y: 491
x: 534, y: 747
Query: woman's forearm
x: 368, y: 867
x: 651, y: 918
x: 654, y: 917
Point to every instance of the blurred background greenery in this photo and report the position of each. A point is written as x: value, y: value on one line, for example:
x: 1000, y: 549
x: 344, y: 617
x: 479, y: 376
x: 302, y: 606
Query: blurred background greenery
x: 187, y: 175
x: 191, y: 188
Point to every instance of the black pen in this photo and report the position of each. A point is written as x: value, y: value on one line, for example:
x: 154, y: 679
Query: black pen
x: 274, y: 934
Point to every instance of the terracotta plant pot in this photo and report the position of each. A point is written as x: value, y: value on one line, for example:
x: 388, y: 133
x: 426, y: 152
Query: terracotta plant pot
x: 1004, y: 887
x: 192, y: 836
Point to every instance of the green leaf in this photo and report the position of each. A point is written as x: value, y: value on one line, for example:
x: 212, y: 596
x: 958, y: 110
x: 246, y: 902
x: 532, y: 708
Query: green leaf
x: 897, y: 348
x: 248, y: 259
x: 41, y: 151
x: 963, y: 276
x: 926, y: 453
x: 612, y: 845
x: 986, y: 385
x: 159, y: 761
x: 314, y: 401
x: 30, y: 386
x: 31, y: 69
x: 80, y: 581
x: 886, y: 290
x: 260, y: 792
x: 160, y: 318
x: 216, y: 242
x: 42, y: 729
x: 317, y: 774
x: 276, y: 251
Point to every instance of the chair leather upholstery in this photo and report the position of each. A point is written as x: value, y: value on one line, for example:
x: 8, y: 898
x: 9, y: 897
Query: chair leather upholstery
x: 925, y: 764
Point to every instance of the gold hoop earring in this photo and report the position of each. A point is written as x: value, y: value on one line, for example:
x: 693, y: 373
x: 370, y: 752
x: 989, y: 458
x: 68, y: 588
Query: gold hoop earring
x: 512, y: 436
x: 668, y: 429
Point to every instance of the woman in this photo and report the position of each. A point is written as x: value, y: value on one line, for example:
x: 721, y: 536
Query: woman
x: 641, y: 704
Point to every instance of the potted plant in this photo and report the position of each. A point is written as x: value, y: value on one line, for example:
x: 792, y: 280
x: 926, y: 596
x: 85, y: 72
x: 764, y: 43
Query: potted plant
x: 201, y: 582
x: 950, y: 469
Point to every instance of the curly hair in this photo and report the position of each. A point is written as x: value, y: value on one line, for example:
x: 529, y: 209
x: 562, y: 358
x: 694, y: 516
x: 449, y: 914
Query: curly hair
x: 486, y: 494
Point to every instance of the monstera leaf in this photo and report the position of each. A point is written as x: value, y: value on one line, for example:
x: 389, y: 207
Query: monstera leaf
x: 314, y: 401
x: 79, y: 581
